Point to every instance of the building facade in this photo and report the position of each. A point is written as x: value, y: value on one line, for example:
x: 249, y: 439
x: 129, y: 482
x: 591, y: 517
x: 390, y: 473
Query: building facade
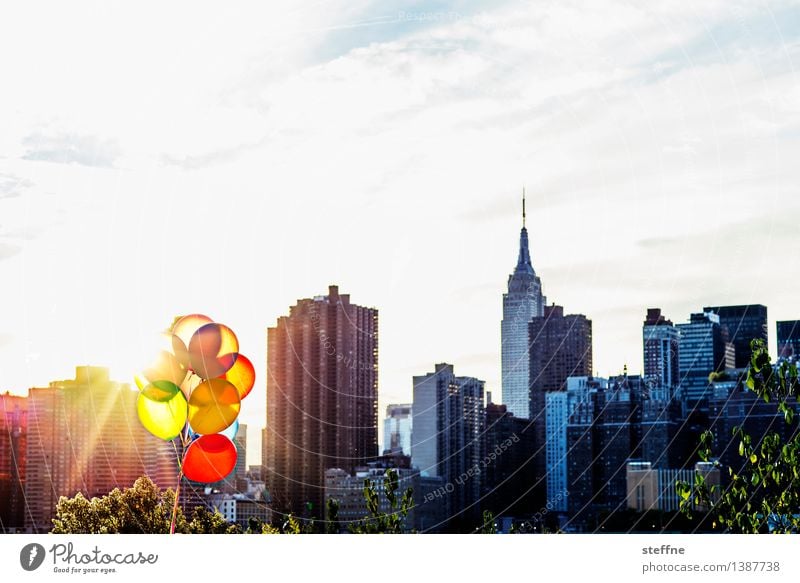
x: 650, y: 488
x: 704, y: 348
x: 447, y: 439
x: 522, y: 302
x: 660, y: 345
x: 427, y: 514
x: 744, y: 324
x: 397, y: 429
x: 561, y: 347
x: 560, y: 405
x: 610, y: 425
x: 241, y: 509
x: 13, y: 461
x: 85, y: 436
x: 507, y: 466
x: 788, y: 339
x: 322, y: 398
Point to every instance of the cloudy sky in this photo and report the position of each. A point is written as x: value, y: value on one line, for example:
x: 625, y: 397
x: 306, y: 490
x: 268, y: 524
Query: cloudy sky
x: 162, y: 159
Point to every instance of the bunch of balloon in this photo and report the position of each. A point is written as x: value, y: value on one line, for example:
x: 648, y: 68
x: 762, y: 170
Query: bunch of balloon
x: 193, y: 392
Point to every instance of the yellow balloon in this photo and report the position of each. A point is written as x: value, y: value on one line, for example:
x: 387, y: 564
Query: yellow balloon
x: 162, y: 409
x: 213, y: 406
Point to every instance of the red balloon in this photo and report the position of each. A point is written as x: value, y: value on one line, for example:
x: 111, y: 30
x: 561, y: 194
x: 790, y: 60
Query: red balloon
x: 209, y: 458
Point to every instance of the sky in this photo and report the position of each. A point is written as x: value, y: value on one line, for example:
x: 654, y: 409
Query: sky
x: 166, y: 159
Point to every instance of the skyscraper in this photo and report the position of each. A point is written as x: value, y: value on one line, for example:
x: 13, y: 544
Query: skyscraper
x: 84, y: 436
x: 560, y: 405
x: 522, y: 302
x: 788, y: 339
x: 447, y: 438
x: 322, y: 398
x: 604, y: 431
x: 660, y: 343
x: 704, y: 348
x: 508, y: 472
x: 397, y: 429
x: 561, y: 347
x: 13, y: 443
x: 744, y: 323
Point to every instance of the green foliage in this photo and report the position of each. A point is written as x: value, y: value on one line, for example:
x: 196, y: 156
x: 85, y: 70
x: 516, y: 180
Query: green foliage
x: 140, y: 509
x: 378, y: 522
x: 294, y: 525
x: 205, y: 522
x: 332, y: 514
x: 764, y: 496
x: 489, y: 526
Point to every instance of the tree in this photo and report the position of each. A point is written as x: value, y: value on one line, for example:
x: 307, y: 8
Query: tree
x: 332, y: 514
x: 764, y: 496
x: 489, y: 526
x: 140, y: 509
x: 377, y: 521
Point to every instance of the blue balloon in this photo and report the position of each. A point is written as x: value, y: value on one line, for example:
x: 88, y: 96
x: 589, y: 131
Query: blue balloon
x: 231, y: 431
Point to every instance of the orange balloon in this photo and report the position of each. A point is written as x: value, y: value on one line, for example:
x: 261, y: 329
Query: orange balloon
x: 209, y: 459
x: 241, y: 375
x: 212, y: 350
x: 213, y: 405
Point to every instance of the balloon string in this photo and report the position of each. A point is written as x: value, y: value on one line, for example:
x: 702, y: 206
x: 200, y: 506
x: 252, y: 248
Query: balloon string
x: 175, y: 506
x: 184, y: 439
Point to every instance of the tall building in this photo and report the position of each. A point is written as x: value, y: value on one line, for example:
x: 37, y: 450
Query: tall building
x: 704, y: 348
x: 240, y: 471
x: 322, y: 398
x: 660, y: 343
x: 13, y: 454
x: 744, y: 323
x: 560, y: 405
x: 447, y: 438
x: 561, y: 347
x: 397, y: 429
x: 788, y: 339
x: 603, y: 433
x: 507, y: 468
x: 522, y: 302
x: 85, y: 436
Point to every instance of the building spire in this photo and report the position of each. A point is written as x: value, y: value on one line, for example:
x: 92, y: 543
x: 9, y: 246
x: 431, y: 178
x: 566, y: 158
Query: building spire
x: 523, y: 207
x: 524, y: 260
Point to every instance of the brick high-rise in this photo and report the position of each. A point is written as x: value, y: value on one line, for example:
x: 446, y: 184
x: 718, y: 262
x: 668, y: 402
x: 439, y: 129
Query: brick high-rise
x: 84, y: 436
x: 322, y: 398
x: 560, y: 347
x: 13, y: 438
x: 660, y: 343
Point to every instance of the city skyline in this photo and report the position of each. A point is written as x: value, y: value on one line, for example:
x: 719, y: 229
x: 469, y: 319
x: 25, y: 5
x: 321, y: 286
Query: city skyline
x: 107, y: 180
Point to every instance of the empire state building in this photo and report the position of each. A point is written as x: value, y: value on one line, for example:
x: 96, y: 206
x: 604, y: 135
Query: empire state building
x: 523, y: 301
